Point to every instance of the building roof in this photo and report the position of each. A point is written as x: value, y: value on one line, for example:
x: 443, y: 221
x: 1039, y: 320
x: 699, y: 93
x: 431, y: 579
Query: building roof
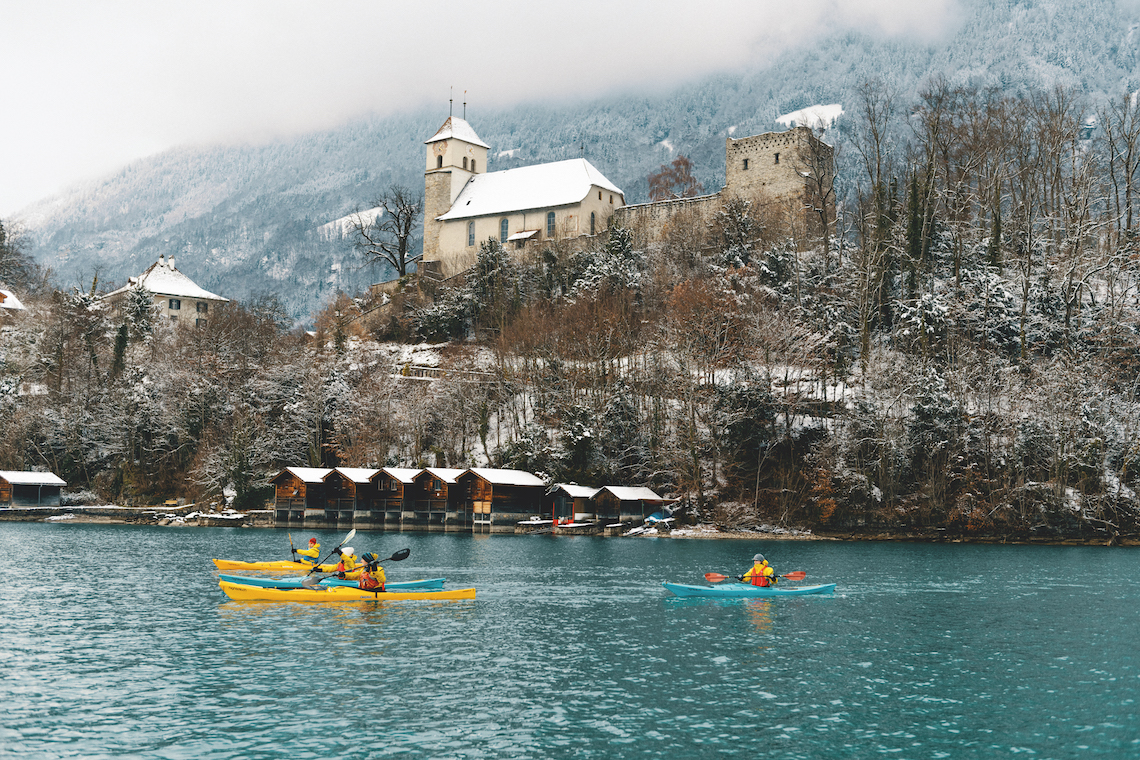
x: 507, y: 477
x: 446, y: 474
x: 163, y: 279
x: 357, y: 474
x: 21, y: 478
x: 529, y: 187
x: 402, y: 474
x: 575, y: 491
x: 8, y: 300
x: 628, y: 493
x: 459, y: 129
x: 305, y: 474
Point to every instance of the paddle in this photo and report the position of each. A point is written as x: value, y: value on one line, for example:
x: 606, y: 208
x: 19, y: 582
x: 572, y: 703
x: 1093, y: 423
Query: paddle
x: 311, y: 581
x: 795, y: 575
x: 291, y: 546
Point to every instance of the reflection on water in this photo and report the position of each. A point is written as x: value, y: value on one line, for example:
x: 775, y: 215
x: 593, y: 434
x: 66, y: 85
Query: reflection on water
x: 572, y: 649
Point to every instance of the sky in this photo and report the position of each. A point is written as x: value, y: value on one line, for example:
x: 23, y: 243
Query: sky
x: 89, y: 87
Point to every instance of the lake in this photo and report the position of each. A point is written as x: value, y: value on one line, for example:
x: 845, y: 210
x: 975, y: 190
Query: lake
x: 116, y: 642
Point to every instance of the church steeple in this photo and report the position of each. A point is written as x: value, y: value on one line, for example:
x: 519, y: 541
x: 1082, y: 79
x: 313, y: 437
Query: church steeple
x: 455, y: 154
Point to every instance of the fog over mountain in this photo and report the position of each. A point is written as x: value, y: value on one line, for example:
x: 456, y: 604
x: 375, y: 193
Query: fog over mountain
x: 247, y: 219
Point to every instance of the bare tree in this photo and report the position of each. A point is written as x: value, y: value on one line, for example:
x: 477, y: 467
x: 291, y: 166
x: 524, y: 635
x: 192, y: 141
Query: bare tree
x: 386, y: 234
x: 675, y: 180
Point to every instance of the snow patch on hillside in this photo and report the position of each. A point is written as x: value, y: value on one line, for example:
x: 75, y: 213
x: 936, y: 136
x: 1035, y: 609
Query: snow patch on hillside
x: 815, y: 117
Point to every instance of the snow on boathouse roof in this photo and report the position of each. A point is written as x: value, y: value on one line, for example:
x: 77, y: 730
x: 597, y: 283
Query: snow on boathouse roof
x: 629, y: 493
x: 163, y: 279
x: 8, y: 300
x: 459, y: 129
x: 305, y: 474
x: 357, y: 474
x: 402, y: 474
x: 446, y: 474
x: 574, y: 491
x: 21, y: 478
x: 561, y: 183
x: 506, y: 477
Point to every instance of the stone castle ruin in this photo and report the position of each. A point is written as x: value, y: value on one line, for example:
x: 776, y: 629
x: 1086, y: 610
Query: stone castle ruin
x: 789, y: 175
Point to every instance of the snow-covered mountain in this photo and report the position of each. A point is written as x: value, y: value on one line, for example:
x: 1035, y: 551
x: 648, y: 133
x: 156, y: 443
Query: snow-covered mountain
x: 251, y: 218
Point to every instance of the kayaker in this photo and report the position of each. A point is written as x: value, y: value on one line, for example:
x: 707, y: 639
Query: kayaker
x: 372, y: 576
x: 312, y: 554
x: 760, y: 574
x: 347, y: 564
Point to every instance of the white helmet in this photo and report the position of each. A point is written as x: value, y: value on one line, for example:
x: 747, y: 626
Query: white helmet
x: 346, y: 550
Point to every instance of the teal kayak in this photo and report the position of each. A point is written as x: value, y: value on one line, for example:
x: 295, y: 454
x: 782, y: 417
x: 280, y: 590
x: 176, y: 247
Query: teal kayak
x: 740, y: 590
x: 422, y: 585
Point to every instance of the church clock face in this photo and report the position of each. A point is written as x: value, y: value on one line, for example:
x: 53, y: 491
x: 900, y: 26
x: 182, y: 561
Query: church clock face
x: 441, y: 147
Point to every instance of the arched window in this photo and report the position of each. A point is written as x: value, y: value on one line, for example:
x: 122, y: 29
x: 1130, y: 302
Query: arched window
x: 592, y: 222
x: 439, y: 162
x: 550, y: 224
x: 746, y: 164
x: 471, y: 233
x: 465, y: 162
x: 472, y: 164
x: 777, y: 158
x: 504, y: 229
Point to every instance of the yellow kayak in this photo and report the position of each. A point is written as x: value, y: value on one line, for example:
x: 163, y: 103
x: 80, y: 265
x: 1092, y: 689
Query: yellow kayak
x: 281, y: 566
x: 242, y: 592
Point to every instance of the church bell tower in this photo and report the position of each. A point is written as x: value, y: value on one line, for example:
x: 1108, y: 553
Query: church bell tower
x: 455, y: 154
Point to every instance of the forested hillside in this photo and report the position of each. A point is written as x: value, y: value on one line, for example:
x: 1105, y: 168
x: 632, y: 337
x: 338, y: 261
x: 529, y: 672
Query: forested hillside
x: 961, y: 360
x: 243, y: 219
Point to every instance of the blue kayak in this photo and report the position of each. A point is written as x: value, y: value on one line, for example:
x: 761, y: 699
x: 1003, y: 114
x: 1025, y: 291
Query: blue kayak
x: 422, y: 585
x: 740, y: 590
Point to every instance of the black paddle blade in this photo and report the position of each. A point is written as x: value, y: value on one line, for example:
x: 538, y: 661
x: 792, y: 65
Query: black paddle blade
x: 400, y: 555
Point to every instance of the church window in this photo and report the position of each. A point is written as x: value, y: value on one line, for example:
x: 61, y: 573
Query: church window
x: 504, y: 229
x: 439, y: 162
x: 746, y: 164
x: 599, y: 195
x: 465, y: 162
x: 777, y: 158
x: 550, y: 224
x: 175, y: 303
x: 472, y: 164
x: 471, y: 233
x: 592, y: 222
x: 611, y: 200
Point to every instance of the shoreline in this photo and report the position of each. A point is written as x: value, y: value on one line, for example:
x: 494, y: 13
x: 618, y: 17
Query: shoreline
x: 166, y: 517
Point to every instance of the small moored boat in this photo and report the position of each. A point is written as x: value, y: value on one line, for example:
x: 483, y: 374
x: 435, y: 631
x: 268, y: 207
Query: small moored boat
x: 243, y: 592
x: 739, y: 590
x: 421, y: 585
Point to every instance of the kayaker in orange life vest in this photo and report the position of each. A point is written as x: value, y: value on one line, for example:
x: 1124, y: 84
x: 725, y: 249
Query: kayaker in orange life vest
x: 312, y: 554
x: 760, y: 574
x: 372, y: 576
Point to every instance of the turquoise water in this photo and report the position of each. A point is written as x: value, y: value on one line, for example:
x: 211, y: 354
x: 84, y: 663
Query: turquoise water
x: 123, y: 646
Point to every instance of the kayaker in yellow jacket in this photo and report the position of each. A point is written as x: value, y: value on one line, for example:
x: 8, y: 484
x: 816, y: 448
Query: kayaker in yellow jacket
x: 761, y: 573
x: 346, y: 568
x: 312, y: 554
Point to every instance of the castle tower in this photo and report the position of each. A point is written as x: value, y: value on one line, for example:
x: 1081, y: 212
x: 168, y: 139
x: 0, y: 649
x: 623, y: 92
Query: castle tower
x: 455, y: 154
x: 774, y: 163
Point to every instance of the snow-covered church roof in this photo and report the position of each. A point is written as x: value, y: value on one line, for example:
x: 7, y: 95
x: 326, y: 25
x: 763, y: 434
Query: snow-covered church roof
x: 460, y: 130
x: 529, y: 187
x: 163, y: 279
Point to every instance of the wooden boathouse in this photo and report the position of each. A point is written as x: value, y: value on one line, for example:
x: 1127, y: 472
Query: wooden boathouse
x: 349, y: 496
x: 439, y: 497
x: 499, y: 499
x: 299, y: 497
x: 394, y: 497
x: 627, y: 504
x: 571, y: 502
x: 30, y: 489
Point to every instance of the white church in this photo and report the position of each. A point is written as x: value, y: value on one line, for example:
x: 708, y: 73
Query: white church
x: 464, y: 204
